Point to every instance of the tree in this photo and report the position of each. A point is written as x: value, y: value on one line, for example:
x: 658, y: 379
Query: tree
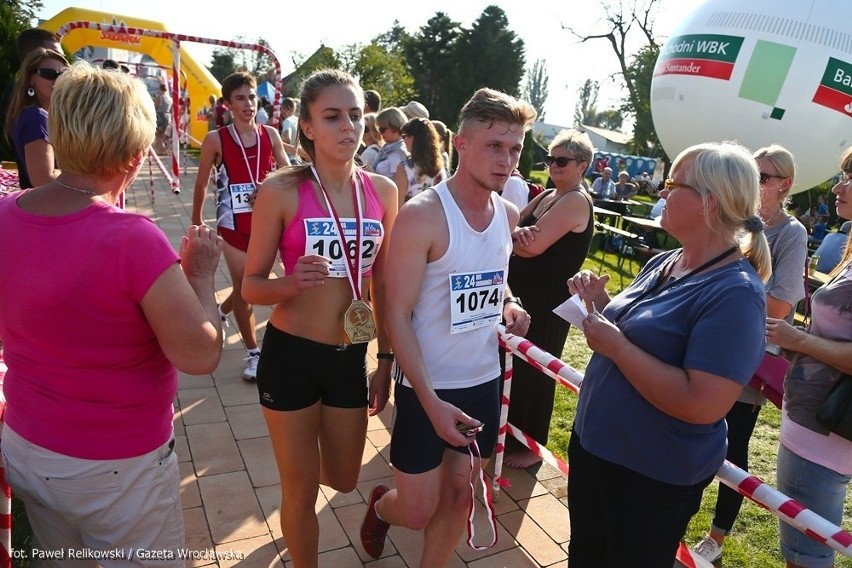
x: 640, y: 72
x: 492, y: 56
x: 380, y: 70
x: 430, y: 55
x: 620, y: 18
x: 587, y: 102
x: 222, y: 63
x: 535, y: 91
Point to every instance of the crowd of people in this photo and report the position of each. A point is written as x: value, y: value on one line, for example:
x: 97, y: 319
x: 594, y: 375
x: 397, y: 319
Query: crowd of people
x: 391, y: 228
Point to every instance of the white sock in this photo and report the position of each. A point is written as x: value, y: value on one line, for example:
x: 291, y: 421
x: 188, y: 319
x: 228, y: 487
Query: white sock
x: 222, y: 314
x: 254, y: 352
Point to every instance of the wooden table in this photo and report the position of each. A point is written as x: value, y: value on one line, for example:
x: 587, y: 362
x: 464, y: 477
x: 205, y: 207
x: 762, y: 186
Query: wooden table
x: 620, y: 205
x: 607, y: 216
x: 648, y: 225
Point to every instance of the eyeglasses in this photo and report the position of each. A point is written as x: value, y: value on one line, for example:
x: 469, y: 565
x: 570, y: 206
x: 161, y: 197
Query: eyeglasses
x: 845, y: 179
x: 765, y: 177
x: 561, y: 161
x: 48, y: 73
x: 670, y: 185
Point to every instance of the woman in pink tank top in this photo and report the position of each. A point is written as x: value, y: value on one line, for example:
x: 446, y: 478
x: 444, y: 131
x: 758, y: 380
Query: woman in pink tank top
x: 329, y: 219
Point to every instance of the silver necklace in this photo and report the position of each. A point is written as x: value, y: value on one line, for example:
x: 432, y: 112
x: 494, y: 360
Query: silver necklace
x: 77, y: 189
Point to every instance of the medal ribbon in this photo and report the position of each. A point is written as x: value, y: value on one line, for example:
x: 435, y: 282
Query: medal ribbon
x: 352, y: 264
x: 256, y: 176
x: 473, y: 449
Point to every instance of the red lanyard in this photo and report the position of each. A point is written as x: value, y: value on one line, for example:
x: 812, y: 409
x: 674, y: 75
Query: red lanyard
x: 352, y: 261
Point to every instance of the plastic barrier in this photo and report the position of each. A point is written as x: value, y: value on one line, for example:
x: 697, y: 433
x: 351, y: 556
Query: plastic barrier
x: 787, y: 509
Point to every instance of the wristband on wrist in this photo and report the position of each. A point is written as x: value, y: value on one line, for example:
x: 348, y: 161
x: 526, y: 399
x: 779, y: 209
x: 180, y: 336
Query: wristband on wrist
x: 512, y: 300
x: 388, y: 356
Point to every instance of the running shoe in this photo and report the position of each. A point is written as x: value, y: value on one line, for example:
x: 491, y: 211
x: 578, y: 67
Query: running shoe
x: 373, y: 529
x: 250, y: 374
x: 708, y: 549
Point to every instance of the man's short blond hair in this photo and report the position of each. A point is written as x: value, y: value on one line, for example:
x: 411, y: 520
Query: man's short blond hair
x: 488, y: 106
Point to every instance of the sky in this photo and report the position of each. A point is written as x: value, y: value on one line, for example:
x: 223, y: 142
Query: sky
x: 301, y: 28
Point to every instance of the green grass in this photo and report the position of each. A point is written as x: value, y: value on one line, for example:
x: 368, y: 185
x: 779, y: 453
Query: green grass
x: 754, y: 541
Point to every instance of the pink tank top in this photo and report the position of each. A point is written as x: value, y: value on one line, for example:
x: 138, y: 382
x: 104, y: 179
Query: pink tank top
x: 314, y: 231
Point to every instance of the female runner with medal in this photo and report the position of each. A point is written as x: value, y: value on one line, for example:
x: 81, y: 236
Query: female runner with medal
x: 328, y: 220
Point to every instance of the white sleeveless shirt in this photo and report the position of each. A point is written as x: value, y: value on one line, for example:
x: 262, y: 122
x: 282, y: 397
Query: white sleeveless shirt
x: 461, y: 299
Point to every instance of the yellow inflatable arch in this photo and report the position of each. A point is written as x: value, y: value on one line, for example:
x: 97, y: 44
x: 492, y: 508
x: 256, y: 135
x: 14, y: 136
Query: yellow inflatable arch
x: 200, y: 84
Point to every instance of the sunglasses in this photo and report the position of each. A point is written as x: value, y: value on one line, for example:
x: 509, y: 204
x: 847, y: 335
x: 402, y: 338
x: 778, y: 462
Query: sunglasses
x: 765, y: 177
x: 670, y: 185
x: 561, y: 161
x: 48, y: 73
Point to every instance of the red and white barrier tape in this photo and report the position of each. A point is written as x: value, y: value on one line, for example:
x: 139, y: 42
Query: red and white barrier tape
x: 787, y: 509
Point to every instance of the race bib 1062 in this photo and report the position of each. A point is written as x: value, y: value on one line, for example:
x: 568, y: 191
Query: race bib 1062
x: 321, y: 238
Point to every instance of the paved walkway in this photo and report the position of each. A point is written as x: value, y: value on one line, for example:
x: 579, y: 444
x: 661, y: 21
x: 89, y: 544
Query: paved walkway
x: 229, y: 480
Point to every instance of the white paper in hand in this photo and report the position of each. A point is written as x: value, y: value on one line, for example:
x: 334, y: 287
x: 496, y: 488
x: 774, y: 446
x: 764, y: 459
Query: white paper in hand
x: 572, y: 310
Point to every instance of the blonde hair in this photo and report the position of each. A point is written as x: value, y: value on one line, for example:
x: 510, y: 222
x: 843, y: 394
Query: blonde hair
x: 99, y: 121
x: 392, y: 118
x: 727, y: 172
x: 783, y: 161
x: 488, y: 106
x: 370, y: 126
x: 845, y: 165
x: 574, y: 142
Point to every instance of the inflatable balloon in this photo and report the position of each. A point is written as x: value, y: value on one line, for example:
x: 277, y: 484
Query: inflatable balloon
x: 760, y: 72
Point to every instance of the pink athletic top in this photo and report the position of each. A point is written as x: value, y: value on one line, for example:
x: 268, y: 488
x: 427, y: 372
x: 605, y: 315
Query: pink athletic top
x: 314, y: 231
x: 87, y: 377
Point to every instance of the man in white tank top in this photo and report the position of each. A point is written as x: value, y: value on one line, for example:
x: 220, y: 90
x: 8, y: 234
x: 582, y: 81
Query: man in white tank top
x: 446, y: 294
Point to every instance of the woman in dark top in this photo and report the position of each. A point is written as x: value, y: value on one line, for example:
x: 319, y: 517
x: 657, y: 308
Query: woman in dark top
x: 26, y: 117
x: 550, y: 244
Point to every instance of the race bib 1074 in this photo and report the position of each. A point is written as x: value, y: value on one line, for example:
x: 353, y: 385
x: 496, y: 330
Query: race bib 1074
x: 476, y: 299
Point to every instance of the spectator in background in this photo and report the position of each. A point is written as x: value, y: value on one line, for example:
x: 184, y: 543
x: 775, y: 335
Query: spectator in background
x: 809, y: 218
x: 211, y: 113
x: 830, y: 250
x: 604, y: 187
x: 625, y: 189
x: 390, y: 122
x: 373, y: 141
x: 163, y: 105
x: 785, y: 289
x: 814, y: 464
x: 372, y: 102
x: 550, y: 244
x: 88, y: 437
x: 221, y: 111
x: 600, y: 164
x: 446, y: 136
x: 822, y: 208
x: 26, y: 117
x: 424, y: 166
x: 27, y: 41
x: 415, y: 109
x: 650, y: 433
x: 289, y: 125
x: 516, y: 190
x: 262, y: 117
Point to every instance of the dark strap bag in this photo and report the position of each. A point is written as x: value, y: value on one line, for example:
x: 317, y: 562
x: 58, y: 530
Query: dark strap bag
x: 836, y: 412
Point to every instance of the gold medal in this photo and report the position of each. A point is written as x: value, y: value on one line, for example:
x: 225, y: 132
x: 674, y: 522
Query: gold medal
x: 358, y: 322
